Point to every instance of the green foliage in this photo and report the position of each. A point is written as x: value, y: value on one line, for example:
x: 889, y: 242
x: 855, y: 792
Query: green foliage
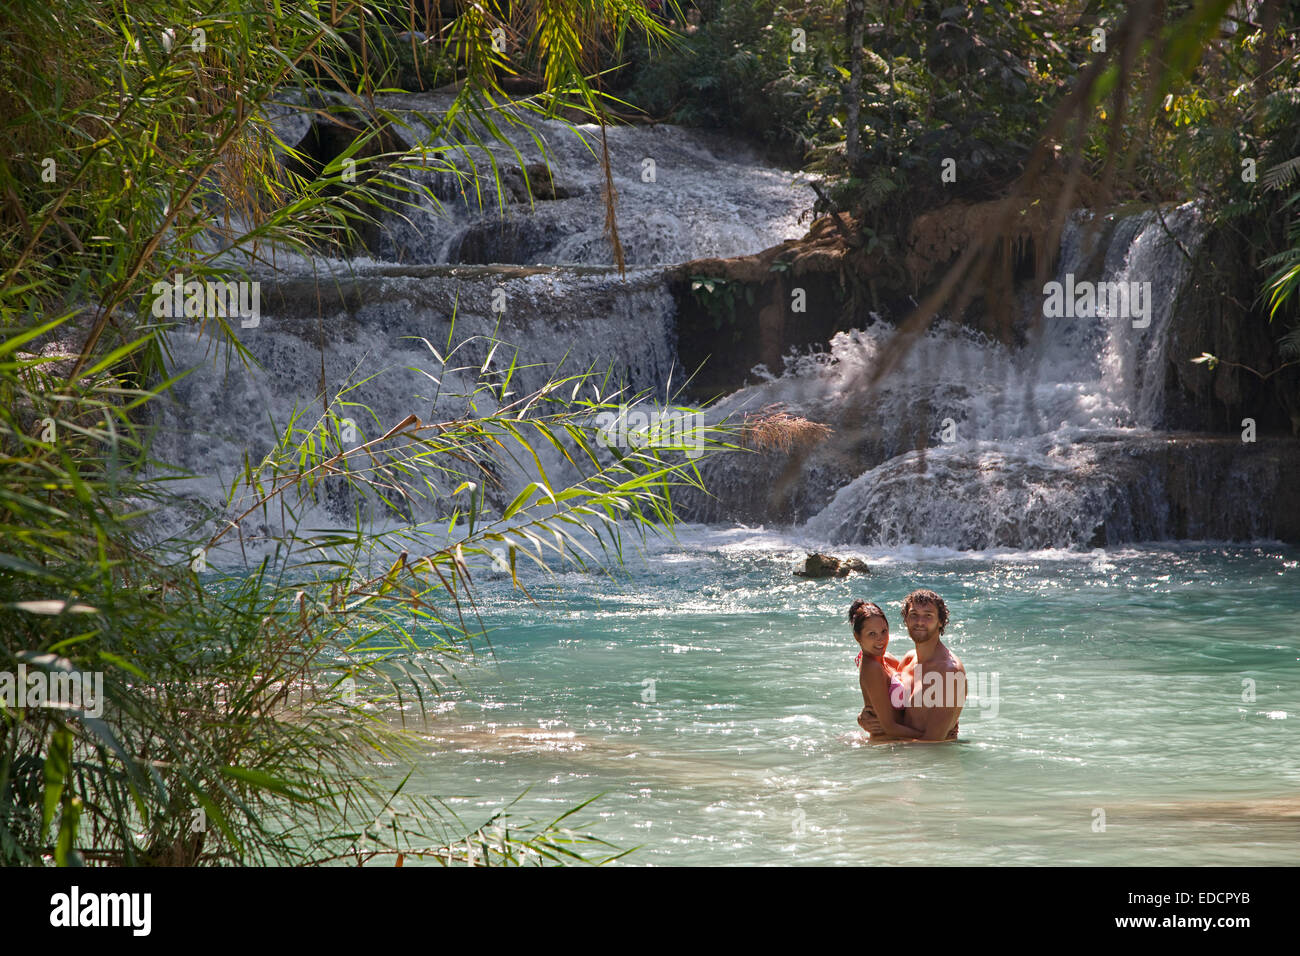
x: 1230, y: 133
x: 1186, y: 96
x: 968, y: 82
x: 1285, y: 279
x: 1281, y: 125
x: 980, y: 74
x: 247, y: 713
x: 720, y: 299
x: 223, y: 688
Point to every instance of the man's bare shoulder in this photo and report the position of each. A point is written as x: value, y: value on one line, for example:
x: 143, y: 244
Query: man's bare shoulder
x: 946, y: 663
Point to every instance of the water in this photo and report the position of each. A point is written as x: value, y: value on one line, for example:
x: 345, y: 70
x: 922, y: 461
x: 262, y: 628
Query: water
x: 682, y: 194
x: 376, y: 338
x: 1120, y: 689
x: 1051, y: 442
x: 1041, y: 444
x: 710, y: 695
x: 370, y: 325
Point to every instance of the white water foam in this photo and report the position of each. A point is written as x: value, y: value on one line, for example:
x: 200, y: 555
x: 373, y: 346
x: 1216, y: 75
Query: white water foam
x: 682, y: 194
x: 973, y: 443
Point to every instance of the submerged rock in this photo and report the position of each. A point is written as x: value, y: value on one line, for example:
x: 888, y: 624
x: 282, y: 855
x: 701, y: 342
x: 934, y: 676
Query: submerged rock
x: 1102, y: 491
x: 820, y: 565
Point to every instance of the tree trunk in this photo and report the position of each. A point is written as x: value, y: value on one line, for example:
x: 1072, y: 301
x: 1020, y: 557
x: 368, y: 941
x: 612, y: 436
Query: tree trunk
x: 854, y: 22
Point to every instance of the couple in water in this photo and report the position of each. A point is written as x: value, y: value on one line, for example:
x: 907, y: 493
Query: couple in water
x: 920, y: 697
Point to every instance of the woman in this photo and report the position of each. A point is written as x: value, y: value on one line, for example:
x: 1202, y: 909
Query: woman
x: 883, y: 690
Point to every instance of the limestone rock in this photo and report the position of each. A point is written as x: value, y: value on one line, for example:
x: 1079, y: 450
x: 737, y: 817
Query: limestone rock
x: 827, y: 566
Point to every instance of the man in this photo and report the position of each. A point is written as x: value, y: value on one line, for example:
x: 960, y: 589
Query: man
x: 935, y: 679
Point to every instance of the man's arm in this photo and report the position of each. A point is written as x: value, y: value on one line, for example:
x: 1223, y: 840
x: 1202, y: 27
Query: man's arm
x: 936, y: 721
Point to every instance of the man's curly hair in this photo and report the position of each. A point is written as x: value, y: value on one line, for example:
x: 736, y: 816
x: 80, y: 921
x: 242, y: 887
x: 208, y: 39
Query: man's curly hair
x: 927, y: 597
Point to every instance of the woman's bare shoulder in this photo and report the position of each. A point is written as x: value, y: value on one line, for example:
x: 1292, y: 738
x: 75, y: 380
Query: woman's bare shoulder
x: 872, y: 669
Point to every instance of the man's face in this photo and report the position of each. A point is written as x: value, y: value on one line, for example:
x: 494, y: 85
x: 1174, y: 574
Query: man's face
x: 873, y: 635
x: 922, y: 622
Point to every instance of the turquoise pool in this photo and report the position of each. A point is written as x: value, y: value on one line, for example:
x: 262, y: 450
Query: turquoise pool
x: 1124, y: 687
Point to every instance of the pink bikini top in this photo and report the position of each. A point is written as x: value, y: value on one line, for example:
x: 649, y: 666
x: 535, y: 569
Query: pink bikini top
x: 897, y: 692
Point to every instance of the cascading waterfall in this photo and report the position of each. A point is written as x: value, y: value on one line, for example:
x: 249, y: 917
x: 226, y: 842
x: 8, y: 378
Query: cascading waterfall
x: 682, y: 194
x: 973, y: 444
x: 379, y: 336
x: 551, y: 297
x: 969, y: 443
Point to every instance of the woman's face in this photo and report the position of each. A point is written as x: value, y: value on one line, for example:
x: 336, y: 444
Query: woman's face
x: 873, y: 635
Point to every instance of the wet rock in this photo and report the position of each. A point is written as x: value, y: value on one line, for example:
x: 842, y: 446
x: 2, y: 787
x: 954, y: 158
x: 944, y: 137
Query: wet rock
x: 540, y: 180
x: 1102, y: 491
x: 820, y: 565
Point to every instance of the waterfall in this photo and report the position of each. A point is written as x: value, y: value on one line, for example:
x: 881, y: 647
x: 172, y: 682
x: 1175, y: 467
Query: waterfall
x: 972, y: 443
x: 463, y: 278
x: 381, y: 335
x: 969, y: 443
x: 682, y: 194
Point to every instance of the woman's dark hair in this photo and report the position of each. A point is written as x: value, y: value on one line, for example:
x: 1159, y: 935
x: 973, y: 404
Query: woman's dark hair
x: 860, y: 610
